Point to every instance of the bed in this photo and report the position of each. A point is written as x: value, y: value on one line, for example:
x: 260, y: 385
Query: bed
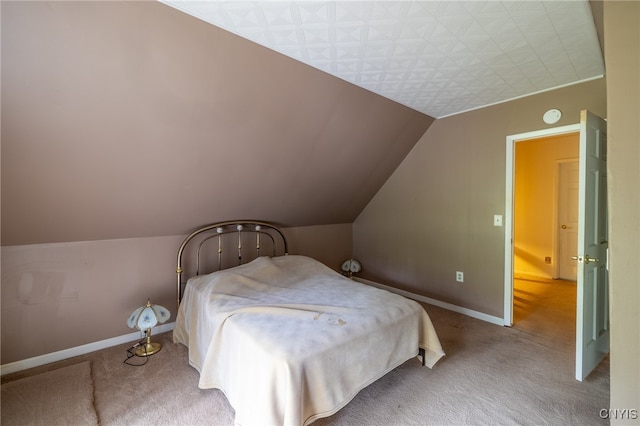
x: 287, y: 339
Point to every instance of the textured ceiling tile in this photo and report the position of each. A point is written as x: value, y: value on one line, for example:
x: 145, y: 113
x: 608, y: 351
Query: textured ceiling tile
x: 285, y: 36
x: 438, y: 57
x: 314, y: 12
x: 280, y: 14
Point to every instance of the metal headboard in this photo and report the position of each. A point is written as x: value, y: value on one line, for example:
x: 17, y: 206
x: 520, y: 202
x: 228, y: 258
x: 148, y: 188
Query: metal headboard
x: 236, y: 232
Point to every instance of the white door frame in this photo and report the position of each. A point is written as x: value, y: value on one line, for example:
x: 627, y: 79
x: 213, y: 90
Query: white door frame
x: 509, y: 209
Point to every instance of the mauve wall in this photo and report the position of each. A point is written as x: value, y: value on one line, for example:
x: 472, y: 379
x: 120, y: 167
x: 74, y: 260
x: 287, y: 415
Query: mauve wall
x: 434, y: 216
x: 62, y: 295
x: 125, y: 125
x: 133, y: 119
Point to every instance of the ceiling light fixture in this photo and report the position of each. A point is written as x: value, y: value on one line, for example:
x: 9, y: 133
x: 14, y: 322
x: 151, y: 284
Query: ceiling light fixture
x: 552, y: 116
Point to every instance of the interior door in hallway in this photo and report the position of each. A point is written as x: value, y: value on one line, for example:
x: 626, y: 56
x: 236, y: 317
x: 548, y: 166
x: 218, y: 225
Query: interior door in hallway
x: 567, y: 220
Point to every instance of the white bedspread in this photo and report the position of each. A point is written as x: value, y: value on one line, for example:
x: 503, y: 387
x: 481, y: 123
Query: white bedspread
x: 289, y: 340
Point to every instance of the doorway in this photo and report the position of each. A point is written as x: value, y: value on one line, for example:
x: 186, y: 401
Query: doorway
x: 537, y: 207
x: 545, y: 235
x: 546, y: 206
x: 592, y: 308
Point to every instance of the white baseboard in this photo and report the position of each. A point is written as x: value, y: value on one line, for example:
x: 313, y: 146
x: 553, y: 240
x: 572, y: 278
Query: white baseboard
x: 37, y: 361
x: 449, y: 306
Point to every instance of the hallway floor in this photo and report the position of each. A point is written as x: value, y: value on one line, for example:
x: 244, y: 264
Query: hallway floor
x: 545, y: 307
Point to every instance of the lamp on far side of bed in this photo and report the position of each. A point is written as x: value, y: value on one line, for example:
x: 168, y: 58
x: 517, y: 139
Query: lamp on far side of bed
x: 144, y: 318
x: 350, y: 267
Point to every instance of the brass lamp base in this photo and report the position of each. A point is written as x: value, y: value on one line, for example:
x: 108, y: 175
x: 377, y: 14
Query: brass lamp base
x: 148, y: 349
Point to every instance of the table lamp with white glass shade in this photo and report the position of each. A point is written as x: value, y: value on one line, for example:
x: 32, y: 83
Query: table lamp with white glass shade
x: 350, y: 267
x: 144, y: 318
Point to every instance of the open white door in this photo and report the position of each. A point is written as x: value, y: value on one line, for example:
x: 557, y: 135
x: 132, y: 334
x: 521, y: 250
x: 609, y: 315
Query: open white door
x: 592, y: 316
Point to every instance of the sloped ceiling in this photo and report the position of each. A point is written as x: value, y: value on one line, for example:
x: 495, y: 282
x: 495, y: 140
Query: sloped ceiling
x: 437, y: 57
x: 133, y: 119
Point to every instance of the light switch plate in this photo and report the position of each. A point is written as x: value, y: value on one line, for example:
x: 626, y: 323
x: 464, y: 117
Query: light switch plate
x: 497, y: 220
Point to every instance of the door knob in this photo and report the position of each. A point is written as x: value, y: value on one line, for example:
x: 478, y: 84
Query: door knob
x: 564, y: 226
x: 585, y: 259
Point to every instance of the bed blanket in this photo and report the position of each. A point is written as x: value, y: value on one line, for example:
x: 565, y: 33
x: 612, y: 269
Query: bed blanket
x: 288, y: 340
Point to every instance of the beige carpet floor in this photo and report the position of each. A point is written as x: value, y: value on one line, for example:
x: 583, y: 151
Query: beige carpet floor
x: 491, y: 375
x: 55, y: 397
